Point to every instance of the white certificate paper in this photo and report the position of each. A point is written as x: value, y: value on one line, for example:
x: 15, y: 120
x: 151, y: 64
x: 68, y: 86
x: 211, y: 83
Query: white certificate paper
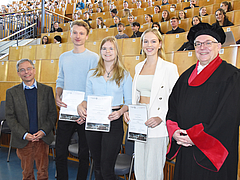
x: 98, y: 110
x: 72, y: 99
x: 137, y: 130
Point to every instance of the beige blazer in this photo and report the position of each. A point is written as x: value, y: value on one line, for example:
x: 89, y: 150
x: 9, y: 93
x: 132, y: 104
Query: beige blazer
x: 164, y: 79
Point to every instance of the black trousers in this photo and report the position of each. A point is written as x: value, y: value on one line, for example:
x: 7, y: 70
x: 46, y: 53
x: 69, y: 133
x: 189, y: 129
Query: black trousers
x: 104, y: 148
x: 64, y: 133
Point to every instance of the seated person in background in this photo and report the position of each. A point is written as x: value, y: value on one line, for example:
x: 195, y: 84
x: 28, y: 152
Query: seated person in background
x: 116, y: 21
x: 175, y: 29
x: 165, y: 16
x: 121, y: 34
x: 80, y: 5
x: 148, y: 19
x: 139, y: 4
x: 226, y: 6
x: 125, y: 5
x: 126, y: 13
x: 222, y: 19
x: 57, y: 39
x: 56, y: 28
x: 112, y: 6
x: 99, y: 9
x: 150, y: 3
x: 156, y: 25
x: 44, y: 40
x: 75, y: 16
x: 192, y: 4
x: 187, y: 45
x: 164, y: 2
x: 157, y: 9
x: 114, y: 12
x: 100, y: 23
x: 135, y: 28
x: 130, y: 20
x: 173, y: 7
x: 86, y: 18
x: 182, y: 15
x: 203, y: 11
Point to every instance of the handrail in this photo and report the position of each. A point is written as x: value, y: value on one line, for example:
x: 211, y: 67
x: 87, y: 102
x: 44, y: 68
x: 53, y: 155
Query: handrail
x: 59, y: 14
x: 36, y: 10
x: 17, y: 32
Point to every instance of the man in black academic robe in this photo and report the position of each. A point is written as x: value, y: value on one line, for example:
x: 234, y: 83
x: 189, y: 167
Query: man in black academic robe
x: 203, y: 116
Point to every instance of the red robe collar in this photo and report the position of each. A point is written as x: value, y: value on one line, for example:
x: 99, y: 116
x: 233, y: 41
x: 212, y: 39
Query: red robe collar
x: 198, y: 79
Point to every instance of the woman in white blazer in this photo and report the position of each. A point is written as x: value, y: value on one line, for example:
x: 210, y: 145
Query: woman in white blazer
x: 153, y: 82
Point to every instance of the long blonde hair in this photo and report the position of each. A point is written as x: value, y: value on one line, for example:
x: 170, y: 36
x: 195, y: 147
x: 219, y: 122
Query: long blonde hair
x: 161, y: 51
x: 119, y: 69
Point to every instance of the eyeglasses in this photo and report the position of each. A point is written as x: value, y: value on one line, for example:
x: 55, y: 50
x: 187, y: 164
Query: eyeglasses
x: 24, y: 70
x: 206, y: 44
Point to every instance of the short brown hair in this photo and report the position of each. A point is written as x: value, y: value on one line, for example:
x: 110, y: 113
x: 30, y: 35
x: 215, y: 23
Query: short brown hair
x: 174, y: 17
x: 80, y: 23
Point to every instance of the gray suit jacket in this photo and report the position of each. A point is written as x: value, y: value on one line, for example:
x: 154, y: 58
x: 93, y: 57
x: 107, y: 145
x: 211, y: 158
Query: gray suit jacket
x: 17, y: 113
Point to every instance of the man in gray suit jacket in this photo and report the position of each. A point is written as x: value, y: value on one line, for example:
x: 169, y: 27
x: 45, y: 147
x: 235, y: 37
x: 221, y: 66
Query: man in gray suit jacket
x: 31, y: 115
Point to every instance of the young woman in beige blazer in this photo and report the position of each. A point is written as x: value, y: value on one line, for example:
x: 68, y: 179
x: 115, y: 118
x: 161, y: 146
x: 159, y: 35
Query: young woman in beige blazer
x: 153, y: 82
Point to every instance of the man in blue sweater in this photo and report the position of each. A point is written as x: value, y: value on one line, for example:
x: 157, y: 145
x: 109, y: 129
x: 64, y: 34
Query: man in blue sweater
x: 31, y: 115
x: 73, y: 68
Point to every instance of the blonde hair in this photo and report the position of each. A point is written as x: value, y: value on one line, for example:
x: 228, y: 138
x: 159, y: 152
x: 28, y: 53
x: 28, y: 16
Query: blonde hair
x: 119, y: 70
x: 161, y: 51
x: 80, y: 23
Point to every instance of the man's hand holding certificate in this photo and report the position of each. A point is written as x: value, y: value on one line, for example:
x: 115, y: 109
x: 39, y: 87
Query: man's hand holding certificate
x: 72, y: 99
x: 98, y: 110
x: 137, y: 130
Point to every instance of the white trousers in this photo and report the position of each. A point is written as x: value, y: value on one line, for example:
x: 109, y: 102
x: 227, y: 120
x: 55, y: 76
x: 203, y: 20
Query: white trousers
x: 150, y: 158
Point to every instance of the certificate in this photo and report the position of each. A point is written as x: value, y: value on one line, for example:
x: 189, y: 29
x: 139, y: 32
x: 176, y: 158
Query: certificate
x: 98, y: 110
x: 72, y: 99
x: 137, y: 130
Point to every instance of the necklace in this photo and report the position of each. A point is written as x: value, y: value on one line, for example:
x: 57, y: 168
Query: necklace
x: 108, y: 73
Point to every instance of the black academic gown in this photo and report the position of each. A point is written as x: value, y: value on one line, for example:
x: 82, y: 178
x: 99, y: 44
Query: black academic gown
x: 210, y: 114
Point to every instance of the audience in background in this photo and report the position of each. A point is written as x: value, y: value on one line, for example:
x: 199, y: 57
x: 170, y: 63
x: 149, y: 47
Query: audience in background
x: 44, y: 40
x: 222, y: 19
x: 187, y: 46
x: 135, y: 28
x: 56, y: 28
x: 116, y: 20
x: 121, y: 34
x: 139, y: 4
x: 182, y: 15
x: 57, y: 39
x: 203, y: 11
x: 165, y: 16
x: 172, y: 7
x: 192, y: 4
x: 126, y: 13
x: 99, y: 9
x: 150, y: 3
x: 130, y: 20
x: 148, y: 19
x: 114, y: 12
x: 196, y: 20
x: 175, y: 29
x: 75, y: 16
x: 80, y: 5
x: 157, y: 9
x: 100, y: 23
x: 156, y: 25
x: 164, y: 2
x: 226, y: 6
x: 125, y: 5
